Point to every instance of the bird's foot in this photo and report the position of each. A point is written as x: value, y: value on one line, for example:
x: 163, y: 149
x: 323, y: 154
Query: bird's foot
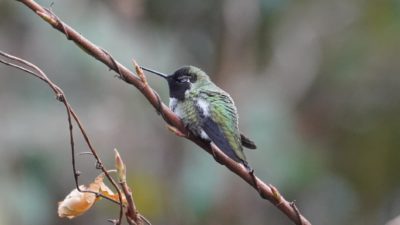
x: 175, y: 131
x: 248, y: 167
x: 213, y: 147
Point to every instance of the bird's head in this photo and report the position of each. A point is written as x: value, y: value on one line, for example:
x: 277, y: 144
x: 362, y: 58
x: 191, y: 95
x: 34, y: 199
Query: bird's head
x: 184, y: 79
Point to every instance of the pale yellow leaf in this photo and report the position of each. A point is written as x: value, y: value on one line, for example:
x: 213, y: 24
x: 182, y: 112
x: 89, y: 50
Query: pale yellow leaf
x: 76, y: 203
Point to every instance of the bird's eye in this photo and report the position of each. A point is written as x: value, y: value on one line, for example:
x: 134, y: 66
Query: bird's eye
x: 183, y: 79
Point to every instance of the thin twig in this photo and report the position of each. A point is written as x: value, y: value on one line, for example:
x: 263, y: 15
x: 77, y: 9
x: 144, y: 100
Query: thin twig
x: 145, y: 220
x: 38, y: 73
x: 20, y: 67
x: 167, y: 114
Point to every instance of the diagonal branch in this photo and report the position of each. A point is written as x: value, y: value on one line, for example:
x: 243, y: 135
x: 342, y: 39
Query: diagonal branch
x: 266, y: 191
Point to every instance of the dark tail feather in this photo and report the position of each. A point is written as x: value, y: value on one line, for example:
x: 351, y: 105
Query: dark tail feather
x: 246, y: 142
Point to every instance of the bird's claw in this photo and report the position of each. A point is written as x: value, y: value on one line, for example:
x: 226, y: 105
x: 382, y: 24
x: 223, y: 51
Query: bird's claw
x: 213, y: 149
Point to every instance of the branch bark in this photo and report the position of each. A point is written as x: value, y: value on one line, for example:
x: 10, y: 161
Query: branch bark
x: 266, y: 191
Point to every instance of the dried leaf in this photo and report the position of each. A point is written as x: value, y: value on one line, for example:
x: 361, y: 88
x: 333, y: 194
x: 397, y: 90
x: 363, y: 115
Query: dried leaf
x: 106, y: 191
x: 76, y: 203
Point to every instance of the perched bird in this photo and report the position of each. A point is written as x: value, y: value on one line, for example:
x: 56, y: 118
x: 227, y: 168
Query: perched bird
x: 206, y: 110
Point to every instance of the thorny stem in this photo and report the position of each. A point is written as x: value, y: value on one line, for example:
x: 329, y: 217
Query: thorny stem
x: 263, y: 189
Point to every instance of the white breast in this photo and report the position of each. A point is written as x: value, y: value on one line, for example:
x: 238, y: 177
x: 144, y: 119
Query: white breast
x: 173, y: 105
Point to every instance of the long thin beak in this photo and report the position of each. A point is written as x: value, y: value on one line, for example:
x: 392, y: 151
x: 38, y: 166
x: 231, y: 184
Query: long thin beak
x: 155, y: 72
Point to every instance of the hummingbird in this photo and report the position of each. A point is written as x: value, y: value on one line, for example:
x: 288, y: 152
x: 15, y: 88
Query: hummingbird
x: 206, y: 110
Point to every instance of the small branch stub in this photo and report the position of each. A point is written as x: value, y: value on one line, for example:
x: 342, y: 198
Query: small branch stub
x: 120, y: 166
x: 140, y: 73
x: 48, y: 18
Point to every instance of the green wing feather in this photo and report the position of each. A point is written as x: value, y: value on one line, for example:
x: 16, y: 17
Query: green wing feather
x: 223, y: 113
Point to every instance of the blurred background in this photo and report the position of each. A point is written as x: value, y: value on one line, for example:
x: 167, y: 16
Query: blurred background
x: 316, y: 83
